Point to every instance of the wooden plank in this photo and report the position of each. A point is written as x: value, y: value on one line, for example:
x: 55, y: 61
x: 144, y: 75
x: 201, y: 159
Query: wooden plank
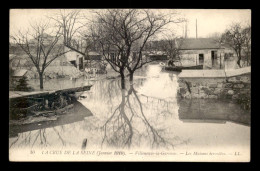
x: 13, y: 95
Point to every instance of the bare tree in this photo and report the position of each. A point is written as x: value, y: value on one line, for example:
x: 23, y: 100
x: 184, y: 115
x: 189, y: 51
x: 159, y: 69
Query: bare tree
x: 247, y: 44
x: 73, y: 26
x: 171, y: 45
x: 41, y: 48
x: 125, y: 33
x: 235, y: 38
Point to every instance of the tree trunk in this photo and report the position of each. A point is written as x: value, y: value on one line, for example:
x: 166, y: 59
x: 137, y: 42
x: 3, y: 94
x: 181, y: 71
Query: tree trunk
x: 131, y: 77
x: 122, y: 79
x: 247, y: 58
x: 41, y: 80
x: 238, y: 58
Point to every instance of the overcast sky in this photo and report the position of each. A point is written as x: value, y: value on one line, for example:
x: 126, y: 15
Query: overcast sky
x: 208, y: 20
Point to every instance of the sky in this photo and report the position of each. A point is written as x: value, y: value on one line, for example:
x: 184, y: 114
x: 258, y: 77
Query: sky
x: 209, y: 21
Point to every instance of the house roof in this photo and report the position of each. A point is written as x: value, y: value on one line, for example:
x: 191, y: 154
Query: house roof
x: 19, y: 73
x: 199, y: 43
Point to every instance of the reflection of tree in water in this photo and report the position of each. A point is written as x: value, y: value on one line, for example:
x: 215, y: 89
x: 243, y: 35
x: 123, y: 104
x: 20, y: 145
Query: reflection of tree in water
x: 133, y: 121
x: 120, y: 129
x: 38, y: 138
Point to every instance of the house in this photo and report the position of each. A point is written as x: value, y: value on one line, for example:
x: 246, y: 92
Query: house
x: 19, y: 59
x: 199, y: 51
x: 156, y: 55
x: 19, y: 73
x: 15, y: 77
x: 81, y: 62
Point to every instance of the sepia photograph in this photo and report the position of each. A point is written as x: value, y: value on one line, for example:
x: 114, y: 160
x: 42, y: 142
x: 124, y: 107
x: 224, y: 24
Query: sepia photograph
x: 130, y: 84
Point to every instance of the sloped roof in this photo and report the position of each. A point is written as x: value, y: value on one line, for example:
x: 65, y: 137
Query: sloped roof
x: 19, y: 73
x: 199, y: 43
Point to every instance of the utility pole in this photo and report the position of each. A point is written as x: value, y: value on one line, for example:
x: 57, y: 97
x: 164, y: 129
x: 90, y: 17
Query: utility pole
x: 196, y: 30
x: 183, y: 31
x: 186, y: 29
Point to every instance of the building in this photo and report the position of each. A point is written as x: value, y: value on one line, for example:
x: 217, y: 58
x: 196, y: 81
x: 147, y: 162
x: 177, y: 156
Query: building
x: 200, y: 51
x: 81, y: 62
x: 15, y: 77
x: 18, y: 58
x: 156, y: 55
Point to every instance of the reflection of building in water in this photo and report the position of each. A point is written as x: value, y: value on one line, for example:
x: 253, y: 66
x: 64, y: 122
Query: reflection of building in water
x: 212, y: 111
x: 76, y: 114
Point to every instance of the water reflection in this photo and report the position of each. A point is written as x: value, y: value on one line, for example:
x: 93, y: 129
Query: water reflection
x: 212, y: 111
x: 147, y: 115
x: 121, y: 126
x: 77, y: 113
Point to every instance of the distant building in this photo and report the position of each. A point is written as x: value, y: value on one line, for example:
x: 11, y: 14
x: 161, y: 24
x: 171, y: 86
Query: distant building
x: 156, y: 55
x: 81, y: 62
x: 15, y: 76
x: 19, y: 73
x: 199, y: 51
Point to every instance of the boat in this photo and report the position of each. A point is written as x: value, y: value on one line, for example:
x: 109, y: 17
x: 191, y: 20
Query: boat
x: 162, y: 64
x: 180, y: 68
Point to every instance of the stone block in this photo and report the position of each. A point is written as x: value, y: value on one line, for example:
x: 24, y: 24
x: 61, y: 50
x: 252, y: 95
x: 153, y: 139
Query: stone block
x: 188, y: 83
x: 187, y: 96
x: 245, y: 79
x: 181, y: 84
x: 207, y: 90
x: 228, y: 85
x: 194, y: 84
x: 213, y: 96
x: 182, y: 90
x: 203, y: 83
x: 195, y: 96
x: 247, y: 85
x: 201, y: 91
x: 218, y: 91
x: 194, y: 90
x: 238, y: 86
x: 220, y: 85
x: 233, y: 79
x: 235, y: 96
x: 203, y: 95
x: 244, y: 91
x: 213, y: 85
x: 230, y: 92
x: 228, y: 96
x: 238, y: 78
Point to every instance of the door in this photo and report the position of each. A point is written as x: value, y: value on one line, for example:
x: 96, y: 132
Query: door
x: 213, y: 57
x: 81, y: 63
x: 201, y: 59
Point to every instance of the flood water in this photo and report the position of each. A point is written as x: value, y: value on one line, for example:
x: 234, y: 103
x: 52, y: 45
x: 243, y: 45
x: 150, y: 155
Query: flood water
x: 147, y: 115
